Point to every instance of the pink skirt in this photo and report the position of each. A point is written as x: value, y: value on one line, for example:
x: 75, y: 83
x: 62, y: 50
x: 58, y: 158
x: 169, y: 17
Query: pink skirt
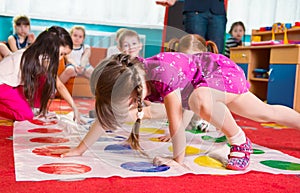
x: 13, y: 104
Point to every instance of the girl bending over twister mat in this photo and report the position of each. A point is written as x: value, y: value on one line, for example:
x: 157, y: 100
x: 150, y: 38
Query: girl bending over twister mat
x: 211, y: 85
x: 28, y: 78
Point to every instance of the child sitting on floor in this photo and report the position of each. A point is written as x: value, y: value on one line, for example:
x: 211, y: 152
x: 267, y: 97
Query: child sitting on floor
x: 77, y: 62
x: 22, y: 36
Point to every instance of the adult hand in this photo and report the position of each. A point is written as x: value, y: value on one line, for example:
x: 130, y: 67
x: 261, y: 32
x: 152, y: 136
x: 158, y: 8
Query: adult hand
x: 166, y: 3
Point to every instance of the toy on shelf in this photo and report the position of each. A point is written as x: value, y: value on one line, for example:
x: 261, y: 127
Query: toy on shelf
x: 277, y: 28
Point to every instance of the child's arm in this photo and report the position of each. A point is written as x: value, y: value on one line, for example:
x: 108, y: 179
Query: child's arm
x: 31, y: 38
x: 90, y: 138
x: 12, y: 43
x: 85, y: 58
x: 63, y: 91
x: 176, y: 126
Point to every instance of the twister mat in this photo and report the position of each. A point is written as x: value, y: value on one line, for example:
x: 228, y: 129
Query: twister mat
x: 35, y: 144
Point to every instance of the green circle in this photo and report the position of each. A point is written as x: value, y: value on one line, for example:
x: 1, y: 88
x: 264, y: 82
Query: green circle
x: 258, y: 151
x: 194, y: 130
x: 283, y: 165
x: 217, y: 140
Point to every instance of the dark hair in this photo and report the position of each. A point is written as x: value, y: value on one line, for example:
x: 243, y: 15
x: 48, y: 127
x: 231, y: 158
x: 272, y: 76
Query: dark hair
x: 21, y: 20
x: 40, y: 62
x: 238, y: 23
x: 114, y: 81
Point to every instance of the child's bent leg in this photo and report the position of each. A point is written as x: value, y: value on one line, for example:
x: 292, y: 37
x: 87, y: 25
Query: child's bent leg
x: 249, y: 106
x: 68, y: 73
x: 88, y: 70
x: 210, y: 104
x: 13, y: 104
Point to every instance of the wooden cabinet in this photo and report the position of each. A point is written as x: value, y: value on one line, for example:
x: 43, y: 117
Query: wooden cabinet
x: 282, y: 62
x: 293, y: 34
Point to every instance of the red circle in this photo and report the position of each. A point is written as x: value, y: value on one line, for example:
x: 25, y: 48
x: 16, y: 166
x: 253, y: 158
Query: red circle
x: 52, y: 151
x: 39, y: 122
x: 49, y: 140
x: 44, y: 130
x: 64, y: 168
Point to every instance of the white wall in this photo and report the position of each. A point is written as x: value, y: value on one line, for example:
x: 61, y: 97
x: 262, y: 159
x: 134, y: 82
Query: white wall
x: 131, y: 13
x: 261, y: 13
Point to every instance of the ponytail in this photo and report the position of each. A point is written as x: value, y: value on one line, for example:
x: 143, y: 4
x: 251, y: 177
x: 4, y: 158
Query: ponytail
x: 172, y: 45
x: 212, y: 47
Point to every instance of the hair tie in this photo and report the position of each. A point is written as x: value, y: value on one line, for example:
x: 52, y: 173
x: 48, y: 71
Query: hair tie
x: 140, y: 115
x: 47, y: 29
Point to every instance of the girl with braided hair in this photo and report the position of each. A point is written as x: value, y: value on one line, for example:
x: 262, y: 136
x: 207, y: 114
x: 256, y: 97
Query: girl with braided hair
x: 211, y: 85
x: 28, y: 77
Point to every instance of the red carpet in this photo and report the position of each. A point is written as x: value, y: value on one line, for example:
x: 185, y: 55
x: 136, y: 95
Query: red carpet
x: 285, y: 140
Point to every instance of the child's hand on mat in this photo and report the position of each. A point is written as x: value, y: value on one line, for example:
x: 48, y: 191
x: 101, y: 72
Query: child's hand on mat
x: 164, y: 138
x: 70, y: 153
x: 77, y: 117
x: 168, y: 161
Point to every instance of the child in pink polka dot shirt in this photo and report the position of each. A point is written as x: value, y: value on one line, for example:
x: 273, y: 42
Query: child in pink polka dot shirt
x: 211, y: 85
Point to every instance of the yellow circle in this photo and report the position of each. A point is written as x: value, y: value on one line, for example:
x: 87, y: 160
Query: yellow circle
x: 155, y: 139
x: 208, y: 162
x: 152, y: 130
x: 274, y: 125
x: 189, y: 150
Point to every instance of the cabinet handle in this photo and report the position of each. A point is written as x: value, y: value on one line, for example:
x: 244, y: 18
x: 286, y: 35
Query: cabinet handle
x: 271, y: 79
x: 244, y: 55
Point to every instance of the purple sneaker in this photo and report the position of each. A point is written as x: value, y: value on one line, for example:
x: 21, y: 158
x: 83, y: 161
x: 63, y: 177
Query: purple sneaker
x: 240, y: 163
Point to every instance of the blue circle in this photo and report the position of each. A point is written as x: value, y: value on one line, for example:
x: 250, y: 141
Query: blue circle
x: 118, y: 148
x: 144, y: 167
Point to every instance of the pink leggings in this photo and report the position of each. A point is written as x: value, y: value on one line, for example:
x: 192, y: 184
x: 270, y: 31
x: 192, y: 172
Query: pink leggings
x: 13, y: 104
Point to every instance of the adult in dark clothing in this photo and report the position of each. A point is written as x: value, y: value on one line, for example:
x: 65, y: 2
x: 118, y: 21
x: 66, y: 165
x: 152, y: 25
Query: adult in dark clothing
x: 204, y: 17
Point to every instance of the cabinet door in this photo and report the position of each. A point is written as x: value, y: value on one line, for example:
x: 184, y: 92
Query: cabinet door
x: 281, y: 84
x: 245, y: 68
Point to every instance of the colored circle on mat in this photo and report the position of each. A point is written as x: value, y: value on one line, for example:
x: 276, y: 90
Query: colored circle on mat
x: 44, y: 130
x: 52, y: 151
x: 64, y: 168
x: 116, y: 138
x: 144, y: 167
x: 217, y: 140
x: 258, y: 151
x: 118, y: 148
x: 152, y: 130
x: 189, y: 150
x: 283, y: 165
x: 39, y: 122
x: 208, y: 162
x: 155, y: 139
x: 49, y: 140
x: 119, y: 138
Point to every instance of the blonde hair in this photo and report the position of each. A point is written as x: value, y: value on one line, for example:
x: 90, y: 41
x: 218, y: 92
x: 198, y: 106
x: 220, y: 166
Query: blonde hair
x: 191, y: 43
x: 127, y: 33
x: 119, y: 32
x: 78, y: 27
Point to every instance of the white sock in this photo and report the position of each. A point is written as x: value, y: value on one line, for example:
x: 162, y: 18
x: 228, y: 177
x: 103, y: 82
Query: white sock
x: 237, y: 139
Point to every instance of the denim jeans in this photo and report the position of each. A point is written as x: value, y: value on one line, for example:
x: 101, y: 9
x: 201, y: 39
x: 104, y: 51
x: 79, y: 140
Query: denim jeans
x: 208, y: 25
